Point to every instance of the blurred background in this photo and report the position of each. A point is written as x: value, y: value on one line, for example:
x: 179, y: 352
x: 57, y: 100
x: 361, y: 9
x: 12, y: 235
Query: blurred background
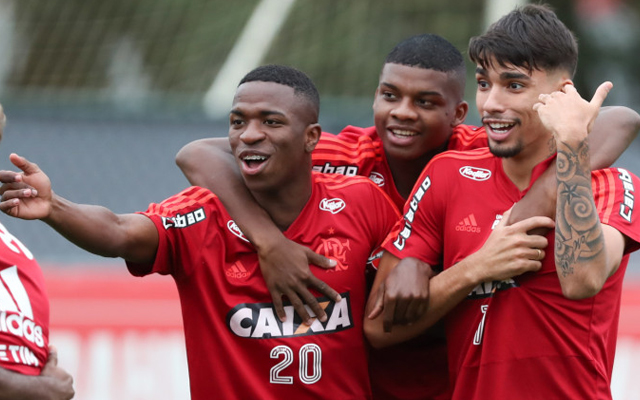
x: 102, y: 94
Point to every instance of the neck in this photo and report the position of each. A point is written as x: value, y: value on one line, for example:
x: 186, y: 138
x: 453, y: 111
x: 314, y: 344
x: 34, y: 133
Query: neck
x: 406, y: 172
x: 520, y: 167
x: 284, y: 204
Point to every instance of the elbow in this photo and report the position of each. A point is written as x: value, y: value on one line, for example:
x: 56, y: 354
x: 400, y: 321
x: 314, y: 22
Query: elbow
x: 376, y: 337
x: 580, y: 290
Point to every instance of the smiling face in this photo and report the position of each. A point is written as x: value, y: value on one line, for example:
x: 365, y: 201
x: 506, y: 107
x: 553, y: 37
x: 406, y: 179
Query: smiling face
x: 415, y: 110
x: 505, y: 97
x: 272, y: 132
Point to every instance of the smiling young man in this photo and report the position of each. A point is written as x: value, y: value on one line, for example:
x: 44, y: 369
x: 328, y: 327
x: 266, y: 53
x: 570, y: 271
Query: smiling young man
x: 236, y: 346
x: 524, y: 320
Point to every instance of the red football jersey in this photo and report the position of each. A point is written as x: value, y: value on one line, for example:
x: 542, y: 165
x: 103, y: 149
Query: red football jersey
x: 359, y: 151
x: 24, y: 308
x: 519, y: 337
x: 236, y: 346
x: 394, y: 374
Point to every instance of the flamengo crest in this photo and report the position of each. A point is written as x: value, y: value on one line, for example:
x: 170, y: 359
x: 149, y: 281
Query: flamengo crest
x: 334, y: 206
x: 477, y: 174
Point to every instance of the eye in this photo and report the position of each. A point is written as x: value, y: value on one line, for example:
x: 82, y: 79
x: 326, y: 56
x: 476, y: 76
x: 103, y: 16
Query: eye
x: 425, y: 103
x: 515, y: 85
x: 236, y: 122
x: 482, y: 84
x: 388, y: 95
x: 272, y: 122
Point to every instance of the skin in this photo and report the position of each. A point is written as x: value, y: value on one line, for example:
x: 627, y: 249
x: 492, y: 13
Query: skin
x: 527, y: 116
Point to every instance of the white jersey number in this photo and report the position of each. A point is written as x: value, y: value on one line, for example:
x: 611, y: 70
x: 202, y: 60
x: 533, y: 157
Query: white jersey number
x: 310, y: 364
x: 477, y: 338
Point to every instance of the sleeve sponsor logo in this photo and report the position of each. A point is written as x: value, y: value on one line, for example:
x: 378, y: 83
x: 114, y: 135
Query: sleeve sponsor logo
x: 411, y: 212
x: 626, y: 207
x: 377, y: 178
x: 233, y: 228
x: 476, y: 174
x: 334, y: 205
x: 183, y: 221
x: 327, y: 168
x: 259, y: 321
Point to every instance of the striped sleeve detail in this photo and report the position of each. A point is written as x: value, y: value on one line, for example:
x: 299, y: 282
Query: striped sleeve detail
x: 466, y: 137
x: 604, y: 192
x: 335, y: 181
x: 469, y: 155
x: 335, y: 148
x: 188, y: 198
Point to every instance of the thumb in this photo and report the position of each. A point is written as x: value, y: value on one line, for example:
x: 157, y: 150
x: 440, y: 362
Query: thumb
x: 25, y: 165
x: 53, y: 355
x: 320, y: 261
x: 379, y: 304
x: 505, y: 218
x: 601, y: 94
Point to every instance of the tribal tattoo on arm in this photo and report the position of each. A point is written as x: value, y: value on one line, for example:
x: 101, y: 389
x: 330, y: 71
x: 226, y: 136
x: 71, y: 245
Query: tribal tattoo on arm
x: 579, y: 236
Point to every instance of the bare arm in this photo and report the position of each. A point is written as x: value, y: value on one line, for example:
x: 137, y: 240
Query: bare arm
x: 586, y: 252
x: 94, y: 228
x: 613, y: 131
x: 53, y: 383
x: 509, y: 251
x: 284, y: 264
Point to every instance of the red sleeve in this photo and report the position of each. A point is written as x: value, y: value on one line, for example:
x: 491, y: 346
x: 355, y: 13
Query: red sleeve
x: 354, y: 147
x: 419, y: 233
x: 614, y: 195
x: 467, y: 137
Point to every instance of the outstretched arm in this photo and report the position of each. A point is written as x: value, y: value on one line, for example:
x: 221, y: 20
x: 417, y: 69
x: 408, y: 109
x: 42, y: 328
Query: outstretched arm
x: 53, y: 383
x: 284, y: 264
x: 613, y: 131
x: 94, y: 228
x: 509, y: 251
x: 586, y: 252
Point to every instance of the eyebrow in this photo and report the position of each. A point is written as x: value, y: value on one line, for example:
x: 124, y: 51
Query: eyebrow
x: 505, y: 75
x: 421, y: 93
x: 263, y: 113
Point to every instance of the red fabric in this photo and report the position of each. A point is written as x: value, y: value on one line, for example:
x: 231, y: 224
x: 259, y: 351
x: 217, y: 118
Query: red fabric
x: 236, y: 347
x: 24, y: 308
x: 516, y: 338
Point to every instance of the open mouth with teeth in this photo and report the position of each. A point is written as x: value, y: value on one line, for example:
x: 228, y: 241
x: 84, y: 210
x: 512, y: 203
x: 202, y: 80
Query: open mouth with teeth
x: 499, y: 130
x: 403, y: 133
x: 254, y: 161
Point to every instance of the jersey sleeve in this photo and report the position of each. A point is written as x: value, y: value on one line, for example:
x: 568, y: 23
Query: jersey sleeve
x: 614, y: 195
x: 182, y: 221
x: 419, y: 233
x: 352, y: 152
x: 468, y: 137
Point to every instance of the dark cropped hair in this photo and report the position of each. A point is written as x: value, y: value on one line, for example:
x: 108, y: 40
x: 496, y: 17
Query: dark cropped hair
x: 530, y: 37
x: 429, y: 51
x: 284, y: 75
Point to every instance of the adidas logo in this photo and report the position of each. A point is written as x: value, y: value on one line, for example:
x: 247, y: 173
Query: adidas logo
x: 237, y: 271
x: 468, y: 224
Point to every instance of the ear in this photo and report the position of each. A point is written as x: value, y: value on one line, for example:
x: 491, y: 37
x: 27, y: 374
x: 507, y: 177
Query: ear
x: 461, y: 111
x: 312, y: 136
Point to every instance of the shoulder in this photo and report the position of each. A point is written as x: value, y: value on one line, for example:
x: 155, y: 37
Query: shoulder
x: 186, y: 201
x: 350, y: 136
x: 467, y: 137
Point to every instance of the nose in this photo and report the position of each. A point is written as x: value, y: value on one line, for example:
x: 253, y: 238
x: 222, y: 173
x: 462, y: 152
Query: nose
x: 491, y: 101
x: 404, y: 110
x: 252, y: 133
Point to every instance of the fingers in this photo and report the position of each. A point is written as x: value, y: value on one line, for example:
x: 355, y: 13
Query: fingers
x: 53, y: 355
x: 277, y: 306
x: 320, y: 261
x: 379, y: 304
x: 25, y: 165
x: 601, y: 94
x: 325, y: 289
x: 299, y: 307
x: 388, y: 313
x: 317, y: 309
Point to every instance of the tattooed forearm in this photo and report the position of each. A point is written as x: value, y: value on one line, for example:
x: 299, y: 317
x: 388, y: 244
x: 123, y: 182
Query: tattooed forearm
x: 578, y: 232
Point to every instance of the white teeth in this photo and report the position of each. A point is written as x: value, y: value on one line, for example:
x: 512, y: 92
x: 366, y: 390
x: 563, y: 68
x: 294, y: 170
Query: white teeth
x: 400, y: 132
x: 254, y: 158
x: 500, y: 126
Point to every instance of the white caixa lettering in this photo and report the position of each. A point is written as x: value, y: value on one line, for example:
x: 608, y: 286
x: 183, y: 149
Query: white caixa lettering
x: 184, y: 220
x: 258, y: 320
